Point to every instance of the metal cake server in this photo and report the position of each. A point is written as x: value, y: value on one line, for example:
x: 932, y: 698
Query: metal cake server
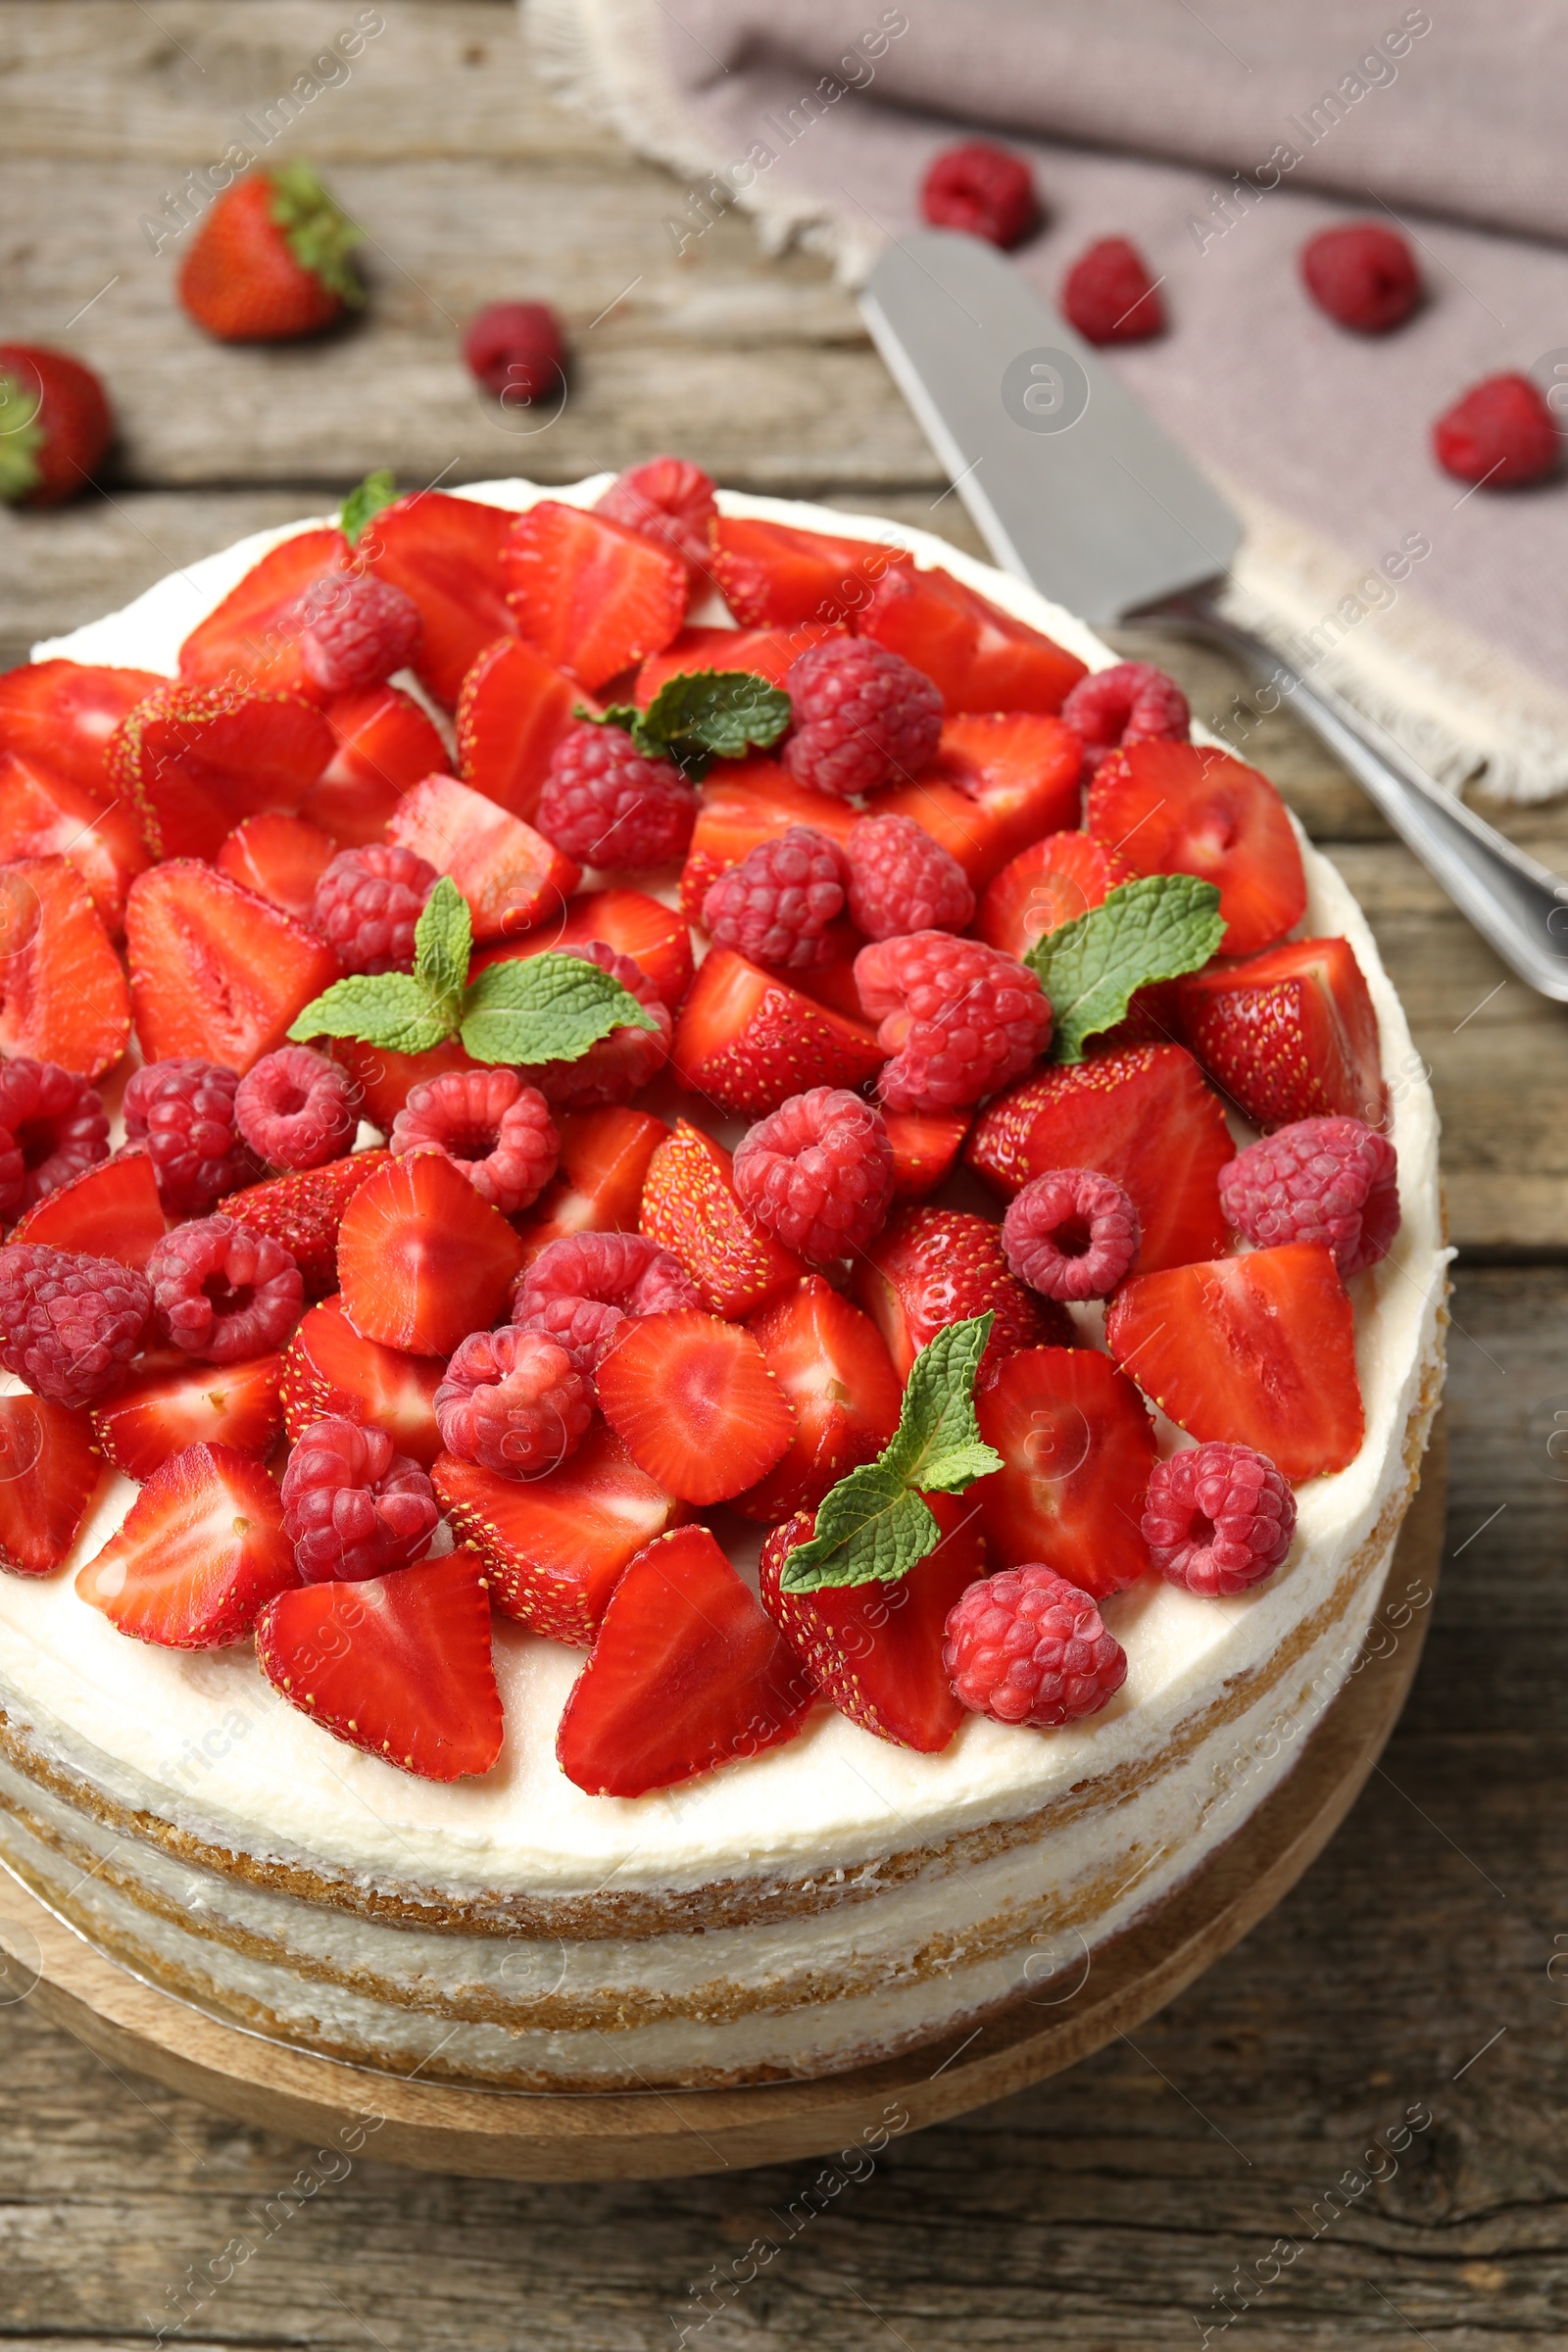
x: 1076, y: 490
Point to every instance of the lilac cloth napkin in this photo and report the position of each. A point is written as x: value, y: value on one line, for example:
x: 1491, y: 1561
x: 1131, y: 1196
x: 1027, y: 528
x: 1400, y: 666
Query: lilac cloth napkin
x: 1218, y: 138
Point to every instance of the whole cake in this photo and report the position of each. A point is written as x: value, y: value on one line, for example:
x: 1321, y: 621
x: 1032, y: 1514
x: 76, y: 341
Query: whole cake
x: 722, y: 1284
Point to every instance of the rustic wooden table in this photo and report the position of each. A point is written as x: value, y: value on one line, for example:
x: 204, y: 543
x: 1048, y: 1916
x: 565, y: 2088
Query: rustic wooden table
x: 1423, y: 1963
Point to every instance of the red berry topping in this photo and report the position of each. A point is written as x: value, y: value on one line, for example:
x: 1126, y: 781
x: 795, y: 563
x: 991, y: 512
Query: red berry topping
x: 222, y: 1292
x: 1217, y: 1518
x: 862, y: 716
x: 775, y: 905
x: 183, y: 1111
x: 70, y: 1324
x: 1110, y: 297
x: 1071, y: 1234
x: 981, y: 189
x: 902, y: 880
x: 367, y: 904
x: 355, y: 630
x: 494, y: 1127
x: 353, y: 1505
x: 958, y: 1017
x: 669, y: 501
x: 1125, y: 704
x: 297, y: 1109
x: 1323, y: 1180
x: 1026, y: 1646
x: 1502, y: 433
x: 604, y: 805
x: 1363, y: 274
x: 617, y: 1066
x: 817, y: 1173
x: 52, y: 1126
x: 580, y: 1287
x: 514, y: 350
x: 514, y: 1402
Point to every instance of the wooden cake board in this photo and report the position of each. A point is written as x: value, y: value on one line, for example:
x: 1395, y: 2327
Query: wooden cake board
x: 656, y: 2134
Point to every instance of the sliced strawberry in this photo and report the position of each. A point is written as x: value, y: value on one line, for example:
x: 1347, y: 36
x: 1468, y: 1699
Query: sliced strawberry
x: 63, y: 994
x: 112, y: 1210
x: 1051, y: 883
x: 830, y: 1362
x: 980, y: 656
x: 1079, y: 1446
x: 398, y: 1665
x: 252, y: 637
x: 331, y: 1372
x: 925, y: 1149
x: 930, y: 1267
x: 46, y: 814
x: 198, y: 1555
x: 628, y: 921
x: 765, y: 653
x: 772, y: 575
x: 49, y: 1473
x: 1290, y: 1035
x: 588, y: 594
x: 599, y: 1179
x: 689, y: 1207
x: 193, y: 759
x: 384, y: 745
x: 554, y: 1548
x: 1186, y: 809
x: 696, y: 1403
x: 216, y: 972
x: 66, y: 714
x: 1141, y: 1114
x: 303, y: 1212
x: 281, y: 857
x: 446, y: 553
x: 422, y: 1260
x: 163, y: 1411
x: 511, y: 877
x: 747, y: 1040
x: 513, y: 709
x: 687, y: 1673
x: 751, y: 802
x: 1258, y: 1350
x: 999, y: 781
x: 875, y: 1648
x: 386, y: 1080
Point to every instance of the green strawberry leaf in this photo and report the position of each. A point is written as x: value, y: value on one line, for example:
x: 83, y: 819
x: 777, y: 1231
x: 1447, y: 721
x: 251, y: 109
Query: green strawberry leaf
x: 1153, y: 929
x: 377, y: 490
x: 390, y: 1009
x: 547, y: 1007
x: 871, y: 1528
x: 318, y: 232
x: 443, y: 940
x: 701, y: 716
x: 22, y: 438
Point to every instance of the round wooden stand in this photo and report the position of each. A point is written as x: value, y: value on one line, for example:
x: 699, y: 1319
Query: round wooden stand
x: 655, y: 2135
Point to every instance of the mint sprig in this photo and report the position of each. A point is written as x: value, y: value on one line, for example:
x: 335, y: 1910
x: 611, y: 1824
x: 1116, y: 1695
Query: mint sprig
x: 1153, y: 929
x: 704, y: 714
x: 527, y: 1010
x: 366, y: 499
x: 874, y: 1525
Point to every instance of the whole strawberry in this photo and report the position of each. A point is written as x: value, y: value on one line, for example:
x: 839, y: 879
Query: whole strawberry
x: 270, y: 260
x: 55, y: 425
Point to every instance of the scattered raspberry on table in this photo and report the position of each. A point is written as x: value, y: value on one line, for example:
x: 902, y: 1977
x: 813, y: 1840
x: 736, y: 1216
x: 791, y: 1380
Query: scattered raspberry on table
x: 983, y: 189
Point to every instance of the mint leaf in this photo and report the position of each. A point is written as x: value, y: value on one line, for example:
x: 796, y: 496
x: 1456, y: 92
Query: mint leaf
x: 702, y: 715
x: 443, y: 940
x: 1153, y: 929
x: 869, y: 1527
x: 377, y: 490
x: 548, y: 1007
x: 390, y: 1009
x: 938, y: 1445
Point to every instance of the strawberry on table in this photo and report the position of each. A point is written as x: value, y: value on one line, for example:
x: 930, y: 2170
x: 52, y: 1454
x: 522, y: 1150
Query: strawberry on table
x: 696, y: 1403
x: 1077, y: 1445
x: 590, y: 596
x: 1184, y: 808
x: 281, y: 857
x: 773, y: 576
x: 254, y: 637
x: 329, y: 1372
x: 748, y: 1041
x: 200, y: 1553
x: 45, y: 813
x: 833, y: 1366
x: 63, y: 994
x: 270, y: 260
x: 511, y: 876
x: 598, y: 1185
x: 1289, y: 1035
x: 445, y: 552
x: 160, y: 1411
x: 935, y: 1266
x: 55, y: 425
x: 49, y: 1473
x: 213, y: 968
x: 111, y: 1211
x: 65, y: 715
x: 304, y: 1211
x: 979, y: 657
x: 689, y: 1207
x: 513, y: 709
x: 191, y: 759
x: 421, y: 1258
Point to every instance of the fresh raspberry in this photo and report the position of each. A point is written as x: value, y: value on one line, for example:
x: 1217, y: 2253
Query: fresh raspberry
x: 981, y: 189
x: 221, y: 1291
x: 861, y: 716
x: 514, y: 1402
x: 1128, y: 703
x: 183, y: 1111
x: 1323, y: 1180
x: 352, y: 1506
x: 1071, y: 1234
x: 959, y: 1019
x: 606, y: 804
x: 71, y: 1324
x: 52, y: 1126
x: 1217, y: 1518
x: 1500, y: 432
x: 368, y: 903
x: 669, y: 501
x: 1026, y: 1646
x: 817, y: 1173
x: 494, y: 1126
x: 614, y: 1067
x: 297, y: 1109
x: 355, y: 630
x: 514, y: 350
x: 1110, y: 297
x: 776, y: 905
x: 902, y: 880
x: 580, y: 1287
x: 1363, y: 274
